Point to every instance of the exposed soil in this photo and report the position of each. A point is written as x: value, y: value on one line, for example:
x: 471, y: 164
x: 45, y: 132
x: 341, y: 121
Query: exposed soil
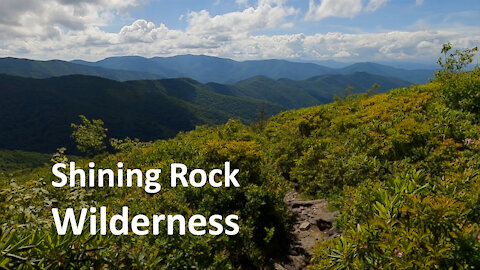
x: 313, y: 222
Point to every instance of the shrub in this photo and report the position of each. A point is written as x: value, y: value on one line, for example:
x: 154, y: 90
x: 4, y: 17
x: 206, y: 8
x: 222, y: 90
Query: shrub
x: 90, y: 136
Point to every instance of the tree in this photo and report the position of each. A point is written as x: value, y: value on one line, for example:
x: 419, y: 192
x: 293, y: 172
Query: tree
x: 90, y: 136
x: 459, y: 87
x: 372, y: 89
x: 455, y: 61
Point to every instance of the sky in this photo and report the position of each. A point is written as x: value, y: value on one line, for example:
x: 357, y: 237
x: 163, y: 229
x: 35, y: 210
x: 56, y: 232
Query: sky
x: 307, y: 30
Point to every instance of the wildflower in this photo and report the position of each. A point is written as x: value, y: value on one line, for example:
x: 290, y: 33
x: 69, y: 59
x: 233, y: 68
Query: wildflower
x: 469, y: 141
x: 398, y: 253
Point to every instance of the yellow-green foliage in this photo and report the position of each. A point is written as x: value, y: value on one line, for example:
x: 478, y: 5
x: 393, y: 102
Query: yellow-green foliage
x: 408, y: 166
x: 90, y: 135
x: 401, y: 167
x: 25, y: 209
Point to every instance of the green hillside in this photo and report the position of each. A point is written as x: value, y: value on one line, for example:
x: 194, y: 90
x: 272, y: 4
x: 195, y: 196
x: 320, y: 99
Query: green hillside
x: 411, y: 75
x: 14, y: 161
x: 191, y: 91
x: 36, y: 114
x: 313, y: 91
x: 401, y: 167
x: 264, y: 88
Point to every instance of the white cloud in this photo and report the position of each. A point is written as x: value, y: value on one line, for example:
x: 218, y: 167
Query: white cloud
x: 241, y: 2
x: 342, y: 8
x: 342, y: 54
x: 418, y: 2
x: 333, y: 8
x: 376, y: 4
x: 46, y: 18
x: 268, y: 14
x: 146, y: 39
x: 141, y: 31
x: 235, y: 35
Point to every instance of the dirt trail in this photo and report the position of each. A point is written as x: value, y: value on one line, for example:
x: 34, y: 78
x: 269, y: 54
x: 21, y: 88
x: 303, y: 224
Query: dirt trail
x: 313, y: 222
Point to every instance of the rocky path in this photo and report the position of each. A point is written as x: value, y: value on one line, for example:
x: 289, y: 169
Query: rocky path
x: 313, y: 222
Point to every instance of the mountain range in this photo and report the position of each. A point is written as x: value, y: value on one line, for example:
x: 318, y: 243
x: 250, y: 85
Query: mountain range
x: 35, y: 114
x: 316, y: 90
x: 221, y: 70
x: 198, y: 67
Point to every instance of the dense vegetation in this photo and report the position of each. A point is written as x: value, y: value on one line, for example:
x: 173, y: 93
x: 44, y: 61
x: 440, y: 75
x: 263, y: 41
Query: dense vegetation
x: 401, y: 167
x: 26, y: 204
x: 14, y: 161
x: 35, y: 115
x: 313, y: 91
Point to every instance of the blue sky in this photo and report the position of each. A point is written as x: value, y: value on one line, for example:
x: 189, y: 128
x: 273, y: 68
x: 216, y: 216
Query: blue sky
x: 308, y: 30
x: 394, y: 15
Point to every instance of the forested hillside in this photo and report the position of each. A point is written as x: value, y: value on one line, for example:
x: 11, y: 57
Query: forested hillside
x: 15, y: 161
x: 315, y: 90
x: 401, y: 167
x: 36, y: 114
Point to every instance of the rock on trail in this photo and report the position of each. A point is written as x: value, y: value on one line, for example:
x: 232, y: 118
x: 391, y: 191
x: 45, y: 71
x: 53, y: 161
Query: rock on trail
x: 313, y: 221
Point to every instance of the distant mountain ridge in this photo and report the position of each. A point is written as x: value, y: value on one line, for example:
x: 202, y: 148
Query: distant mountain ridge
x: 222, y: 70
x: 212, y: 69
x: 54, y: 68
x: 304, y: 93
x: 416, y: 76
x: 199, y: 67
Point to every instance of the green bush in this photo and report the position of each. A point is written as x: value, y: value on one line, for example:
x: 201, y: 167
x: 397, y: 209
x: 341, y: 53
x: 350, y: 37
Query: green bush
x: 405, y: 225
x: 90, y: 136
x: 460, y: 89
x: 263, y: 217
